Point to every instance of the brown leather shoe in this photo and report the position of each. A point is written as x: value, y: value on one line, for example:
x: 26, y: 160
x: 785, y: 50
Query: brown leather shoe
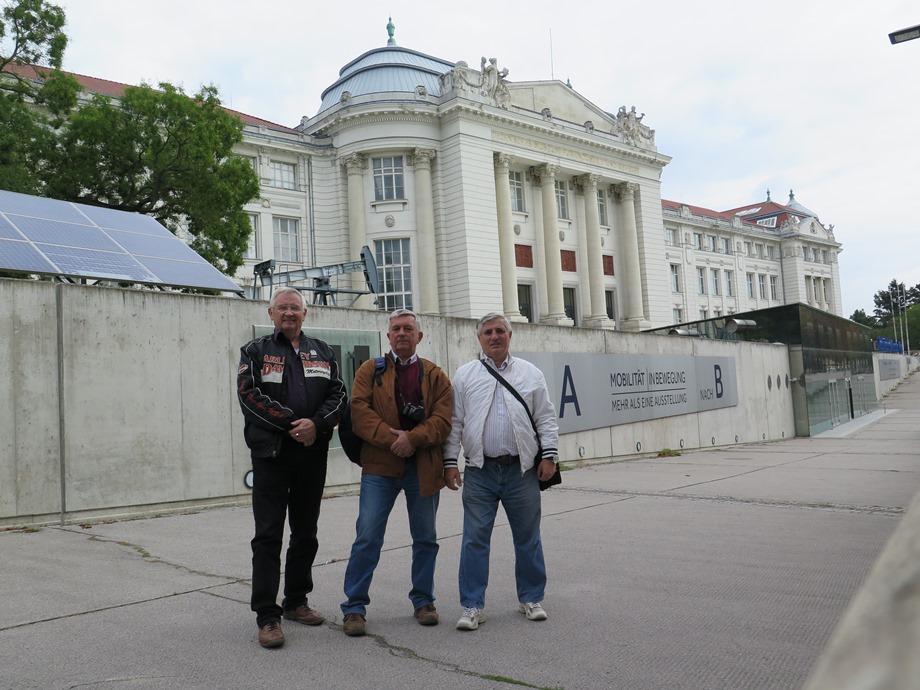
x: 426, y: 615
x: 271, y: 635
x: 354, y: 625
x: 304, y: 614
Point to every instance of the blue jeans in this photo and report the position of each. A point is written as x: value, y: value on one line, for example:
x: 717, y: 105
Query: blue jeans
x: 378, y: 494
x: 483, y: 489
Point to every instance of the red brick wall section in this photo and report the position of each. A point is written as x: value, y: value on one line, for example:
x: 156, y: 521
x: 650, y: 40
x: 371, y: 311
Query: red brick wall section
x: 608, y: 265
x: 523, y: 255
x: 568, y: 260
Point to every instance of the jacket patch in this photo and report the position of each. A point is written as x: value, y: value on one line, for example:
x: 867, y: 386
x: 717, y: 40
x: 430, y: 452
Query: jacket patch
x: 321, y: 370
x: 243, y: 368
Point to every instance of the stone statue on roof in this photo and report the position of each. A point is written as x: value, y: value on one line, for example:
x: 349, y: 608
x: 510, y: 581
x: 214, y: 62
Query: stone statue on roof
x: 458, y: 78
x: 629, y: 126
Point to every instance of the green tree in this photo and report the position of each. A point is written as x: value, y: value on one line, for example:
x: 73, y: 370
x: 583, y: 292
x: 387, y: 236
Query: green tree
x: 164, y: 154
x: 153, y: 151
x: 35, y: 95
x: 860, y: 317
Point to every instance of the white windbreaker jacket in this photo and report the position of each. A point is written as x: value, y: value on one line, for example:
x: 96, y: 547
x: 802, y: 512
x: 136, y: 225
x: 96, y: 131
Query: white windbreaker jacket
x: 473, y: 390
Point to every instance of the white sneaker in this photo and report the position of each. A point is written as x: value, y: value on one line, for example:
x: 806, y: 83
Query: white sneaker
x: 471, y: 619
x: 533, y: 610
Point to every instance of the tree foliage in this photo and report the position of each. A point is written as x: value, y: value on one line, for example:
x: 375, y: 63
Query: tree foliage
x: 152, y: 151
x: 161, y: 153
x: 860, y: 317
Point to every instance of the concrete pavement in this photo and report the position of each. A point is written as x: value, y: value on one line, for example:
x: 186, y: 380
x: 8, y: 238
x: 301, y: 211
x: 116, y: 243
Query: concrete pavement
x: 725, y: 568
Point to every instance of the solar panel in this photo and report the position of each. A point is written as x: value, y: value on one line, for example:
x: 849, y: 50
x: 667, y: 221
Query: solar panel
x: 52, y: 237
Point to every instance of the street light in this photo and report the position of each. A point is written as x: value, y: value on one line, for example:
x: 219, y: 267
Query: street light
x: 904, y: 35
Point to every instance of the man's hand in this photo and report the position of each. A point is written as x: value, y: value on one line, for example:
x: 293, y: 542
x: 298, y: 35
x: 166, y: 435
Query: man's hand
x: 303, y: 431
x: 401, y: 446
x: 452, y: 478
x: 546, y: 470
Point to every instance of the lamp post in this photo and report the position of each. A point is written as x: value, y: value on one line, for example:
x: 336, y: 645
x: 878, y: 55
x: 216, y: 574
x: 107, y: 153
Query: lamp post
x: 904, y: 35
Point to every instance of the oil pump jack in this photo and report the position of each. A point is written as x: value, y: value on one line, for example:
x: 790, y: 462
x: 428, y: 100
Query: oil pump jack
x: 265, y: 274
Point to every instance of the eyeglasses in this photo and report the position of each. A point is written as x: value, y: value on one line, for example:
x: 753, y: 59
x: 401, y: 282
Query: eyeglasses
x: 284, y: 309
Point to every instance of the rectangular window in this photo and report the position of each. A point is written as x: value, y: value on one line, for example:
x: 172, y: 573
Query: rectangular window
x: 713, y: 243
x: 704, y: 314
x: 750, y: 285
x: 671, y: 237
x: 726, y: 245
x: 677, y: 314
x: 675, y: 278
x: 816, y: 284
x: 747, y: 249
x: 516, y: 181
x: 773, y: 292
x: 602, y: 207
x: 701, y: 280
x: 715, y: 279
x: 717, y: 313
x: 389, y: 179
x: 562, y: 199
x: 252, y: 246
x: 394, y: 271
x: 525, y: 301
x: 824, y: 284
x: 729, y: 283
x: 611, y: 303
x: 284, y: 175
x: 759, y: 249
x: 568, y: 302
x: 771, y: 251
x: 287, y: 242
x: 762, y: 285
x: 824, y: 255
x: 698, y: 240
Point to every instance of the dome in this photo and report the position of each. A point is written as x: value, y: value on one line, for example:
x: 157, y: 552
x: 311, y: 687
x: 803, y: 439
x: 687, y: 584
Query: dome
x: 387, y: 70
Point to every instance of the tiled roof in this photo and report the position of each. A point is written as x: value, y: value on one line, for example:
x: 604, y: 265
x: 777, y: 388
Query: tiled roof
x: 116, y: 89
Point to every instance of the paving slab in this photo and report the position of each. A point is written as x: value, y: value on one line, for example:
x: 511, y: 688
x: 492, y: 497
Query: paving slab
x: 718, y: 569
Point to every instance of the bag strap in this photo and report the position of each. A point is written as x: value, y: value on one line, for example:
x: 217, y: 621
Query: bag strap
x: 513, y: 391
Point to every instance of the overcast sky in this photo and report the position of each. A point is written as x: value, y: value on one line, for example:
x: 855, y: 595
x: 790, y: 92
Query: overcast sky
x: 806, y: 95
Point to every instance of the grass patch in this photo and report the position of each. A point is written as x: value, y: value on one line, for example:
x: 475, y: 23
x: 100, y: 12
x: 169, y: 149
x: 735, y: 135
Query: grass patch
x: 668, y: 453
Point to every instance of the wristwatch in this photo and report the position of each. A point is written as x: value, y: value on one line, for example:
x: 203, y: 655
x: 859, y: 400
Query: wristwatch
x: 553, y: 458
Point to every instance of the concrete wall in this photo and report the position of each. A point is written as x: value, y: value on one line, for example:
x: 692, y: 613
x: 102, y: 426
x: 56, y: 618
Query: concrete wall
x: 886, y: 362
x: 122, y: 402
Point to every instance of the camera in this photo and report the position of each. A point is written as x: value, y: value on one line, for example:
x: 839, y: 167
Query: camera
x: 414, y: 412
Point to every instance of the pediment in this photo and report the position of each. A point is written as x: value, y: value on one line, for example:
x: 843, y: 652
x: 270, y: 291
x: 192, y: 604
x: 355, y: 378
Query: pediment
x: 563, y: 102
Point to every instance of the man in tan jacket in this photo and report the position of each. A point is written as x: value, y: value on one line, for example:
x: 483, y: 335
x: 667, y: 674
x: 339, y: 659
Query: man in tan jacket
x: 403, y: 416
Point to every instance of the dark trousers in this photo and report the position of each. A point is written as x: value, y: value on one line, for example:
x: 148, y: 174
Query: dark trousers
x: 291, y: 483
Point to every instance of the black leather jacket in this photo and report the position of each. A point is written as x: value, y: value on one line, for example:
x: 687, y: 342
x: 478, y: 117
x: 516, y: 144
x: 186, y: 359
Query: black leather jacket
x: 262, y: 391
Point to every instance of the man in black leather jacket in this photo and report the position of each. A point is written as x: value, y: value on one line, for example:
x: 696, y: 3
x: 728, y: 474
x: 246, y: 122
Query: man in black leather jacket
x: 292, y: 396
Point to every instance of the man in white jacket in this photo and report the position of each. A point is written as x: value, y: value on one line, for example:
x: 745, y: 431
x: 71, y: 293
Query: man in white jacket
x: 502, y: 466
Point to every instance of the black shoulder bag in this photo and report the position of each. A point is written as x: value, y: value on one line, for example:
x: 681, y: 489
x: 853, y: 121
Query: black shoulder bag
x: 557, y: 476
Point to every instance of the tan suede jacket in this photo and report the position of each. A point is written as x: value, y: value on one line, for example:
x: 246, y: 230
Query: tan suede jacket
x: 374, y: 411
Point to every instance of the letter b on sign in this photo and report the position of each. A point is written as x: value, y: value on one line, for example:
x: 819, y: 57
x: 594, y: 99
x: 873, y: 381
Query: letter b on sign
x: 717, y: 376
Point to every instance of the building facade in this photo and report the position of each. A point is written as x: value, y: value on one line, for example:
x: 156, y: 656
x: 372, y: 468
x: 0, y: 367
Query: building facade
x: 475, y: 194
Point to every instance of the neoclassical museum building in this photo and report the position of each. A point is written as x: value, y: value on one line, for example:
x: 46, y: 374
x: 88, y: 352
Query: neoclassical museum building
x: 476, y: 193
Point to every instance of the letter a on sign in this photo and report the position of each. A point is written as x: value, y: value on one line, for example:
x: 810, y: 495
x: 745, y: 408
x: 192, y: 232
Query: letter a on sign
x: 569, y: 395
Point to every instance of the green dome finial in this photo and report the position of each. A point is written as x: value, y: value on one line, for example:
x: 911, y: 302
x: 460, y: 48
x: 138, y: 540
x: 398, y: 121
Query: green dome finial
x: 391, y: 29
x: 768, y: 195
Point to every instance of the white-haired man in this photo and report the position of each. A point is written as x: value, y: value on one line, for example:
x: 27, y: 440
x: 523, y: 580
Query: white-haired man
x: 292, y: 397
x: 502, y: 466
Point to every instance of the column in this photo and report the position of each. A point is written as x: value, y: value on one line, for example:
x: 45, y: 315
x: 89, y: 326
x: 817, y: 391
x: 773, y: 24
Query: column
x: 553, y: 264
x: 634, y: 316
x: 510, y: 305
x: 357, y: 222
x: 598, y: 316
x: 429, y: 302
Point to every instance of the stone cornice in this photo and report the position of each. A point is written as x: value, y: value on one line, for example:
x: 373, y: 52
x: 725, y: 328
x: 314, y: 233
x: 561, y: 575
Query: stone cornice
x: 476, y: 112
